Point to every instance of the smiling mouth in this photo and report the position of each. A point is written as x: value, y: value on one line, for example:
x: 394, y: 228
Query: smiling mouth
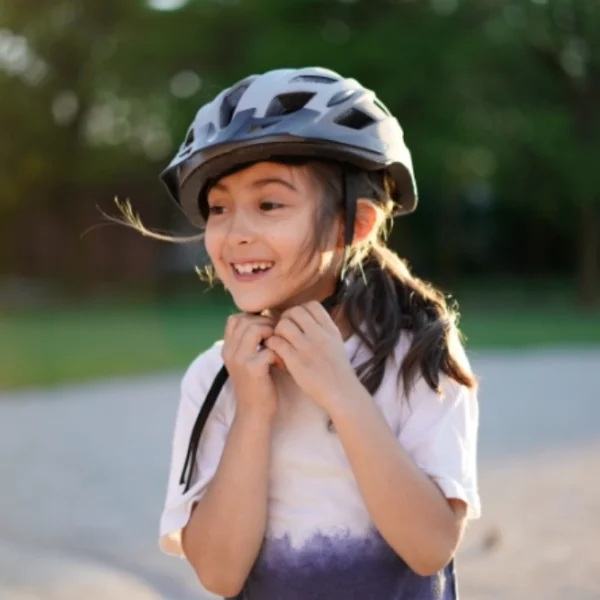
x: 253, y: 268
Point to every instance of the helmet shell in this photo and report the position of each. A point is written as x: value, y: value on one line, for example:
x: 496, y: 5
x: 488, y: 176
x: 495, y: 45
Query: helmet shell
x: 310, y: 112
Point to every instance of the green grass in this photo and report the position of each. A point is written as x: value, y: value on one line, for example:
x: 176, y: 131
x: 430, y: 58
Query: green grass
x: 67, y: 345
x: 530, y: 329
x: 59, y: 346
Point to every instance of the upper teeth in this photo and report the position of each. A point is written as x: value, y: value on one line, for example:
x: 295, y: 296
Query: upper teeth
x: 249, y: 267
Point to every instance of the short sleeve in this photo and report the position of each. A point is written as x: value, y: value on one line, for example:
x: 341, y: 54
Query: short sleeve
x: 440, y: 434
x: 178, y: 505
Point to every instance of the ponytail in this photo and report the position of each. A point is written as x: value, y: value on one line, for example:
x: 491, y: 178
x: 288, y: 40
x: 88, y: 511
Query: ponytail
x: 383, y: 299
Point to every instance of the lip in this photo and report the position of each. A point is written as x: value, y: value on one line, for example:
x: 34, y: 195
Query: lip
x: 249, y: 277
x: 245, y: 261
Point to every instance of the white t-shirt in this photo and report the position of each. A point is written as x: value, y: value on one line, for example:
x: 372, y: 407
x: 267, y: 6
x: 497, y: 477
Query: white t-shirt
x: 320, y: 541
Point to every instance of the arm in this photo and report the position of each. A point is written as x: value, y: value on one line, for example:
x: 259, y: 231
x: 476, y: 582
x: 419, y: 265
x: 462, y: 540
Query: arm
x: 226, y: 529
x: 224, y: 534
x: 407, y: 507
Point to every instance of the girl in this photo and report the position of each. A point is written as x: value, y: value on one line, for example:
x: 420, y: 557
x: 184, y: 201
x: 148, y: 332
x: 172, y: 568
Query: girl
x: 338, y: 461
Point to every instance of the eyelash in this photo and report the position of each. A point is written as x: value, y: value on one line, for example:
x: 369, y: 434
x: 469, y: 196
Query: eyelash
x: 217, y: 209
x: 274, y: 205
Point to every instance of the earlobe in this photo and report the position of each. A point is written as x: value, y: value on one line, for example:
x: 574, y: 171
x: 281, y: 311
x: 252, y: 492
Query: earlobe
x: 366, y: 220
x: 364, y: 223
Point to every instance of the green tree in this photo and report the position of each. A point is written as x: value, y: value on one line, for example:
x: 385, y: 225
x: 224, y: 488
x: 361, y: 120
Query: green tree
x: 497, y: 100
x: 543, y: 93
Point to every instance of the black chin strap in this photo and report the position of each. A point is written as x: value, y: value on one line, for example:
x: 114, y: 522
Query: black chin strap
x: 349, y: 189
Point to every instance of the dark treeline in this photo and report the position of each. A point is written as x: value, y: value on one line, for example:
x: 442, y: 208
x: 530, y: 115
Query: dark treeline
x: 498, y: 99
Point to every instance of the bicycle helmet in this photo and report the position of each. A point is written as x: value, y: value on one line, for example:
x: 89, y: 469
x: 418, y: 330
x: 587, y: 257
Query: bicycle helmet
x: 308, y: 112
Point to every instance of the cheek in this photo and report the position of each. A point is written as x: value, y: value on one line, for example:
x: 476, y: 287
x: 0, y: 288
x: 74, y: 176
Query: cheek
x: 213, y: 243
x: 302, y: 253
x: 303, y: 260
x: 290, y: 246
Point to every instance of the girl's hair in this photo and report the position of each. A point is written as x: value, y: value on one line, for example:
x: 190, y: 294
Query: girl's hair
x: 382, y: 299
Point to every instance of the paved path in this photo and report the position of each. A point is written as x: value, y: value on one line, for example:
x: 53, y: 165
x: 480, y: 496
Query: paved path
x: 83, y: 472
x: 29, y: 574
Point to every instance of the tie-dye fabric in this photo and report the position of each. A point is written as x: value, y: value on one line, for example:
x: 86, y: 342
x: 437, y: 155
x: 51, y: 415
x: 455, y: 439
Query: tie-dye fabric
x: 320, y: 541
x: 341, y: 568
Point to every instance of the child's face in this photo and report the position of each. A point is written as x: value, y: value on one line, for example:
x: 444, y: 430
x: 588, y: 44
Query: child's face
x: 260, y: 238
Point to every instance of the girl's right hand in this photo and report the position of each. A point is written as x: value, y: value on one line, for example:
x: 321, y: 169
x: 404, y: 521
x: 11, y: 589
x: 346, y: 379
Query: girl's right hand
x: 249, y: 366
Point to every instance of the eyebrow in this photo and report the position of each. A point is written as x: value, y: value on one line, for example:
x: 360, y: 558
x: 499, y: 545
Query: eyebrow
x: 258, y: 183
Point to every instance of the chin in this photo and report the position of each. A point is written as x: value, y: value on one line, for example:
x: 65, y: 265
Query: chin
x: 256, y: 305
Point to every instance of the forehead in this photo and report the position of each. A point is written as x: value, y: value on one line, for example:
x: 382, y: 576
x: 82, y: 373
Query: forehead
x: 293, y: 175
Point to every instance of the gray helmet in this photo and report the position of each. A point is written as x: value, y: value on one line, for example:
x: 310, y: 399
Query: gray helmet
x: 309, y: 112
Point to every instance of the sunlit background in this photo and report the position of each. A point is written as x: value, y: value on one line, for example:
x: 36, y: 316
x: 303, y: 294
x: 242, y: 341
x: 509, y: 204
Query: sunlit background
x: 499, y: 101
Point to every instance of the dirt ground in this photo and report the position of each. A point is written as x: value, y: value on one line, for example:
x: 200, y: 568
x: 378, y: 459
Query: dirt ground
x: 539, y: 537
x: 83, y: 472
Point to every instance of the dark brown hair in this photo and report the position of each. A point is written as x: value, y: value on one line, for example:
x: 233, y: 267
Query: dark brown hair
x: 383, y: 299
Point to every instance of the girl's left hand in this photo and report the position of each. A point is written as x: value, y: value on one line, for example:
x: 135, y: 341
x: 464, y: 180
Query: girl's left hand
x: 312, y: 348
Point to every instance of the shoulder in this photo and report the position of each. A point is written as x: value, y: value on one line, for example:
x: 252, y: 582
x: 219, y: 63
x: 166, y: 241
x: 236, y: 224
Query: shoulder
x: 424, y: 404
x: 200, y: 374
x: 455, y: 407
x: 449, y: 387
x: 402, y: 347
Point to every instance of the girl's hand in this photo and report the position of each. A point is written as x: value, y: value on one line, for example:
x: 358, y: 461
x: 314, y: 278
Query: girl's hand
x: 249, y: 365
x: 312, y: 348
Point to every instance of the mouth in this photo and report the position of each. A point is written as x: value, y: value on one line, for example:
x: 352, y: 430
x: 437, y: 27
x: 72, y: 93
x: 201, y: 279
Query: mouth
x: 251, y: 271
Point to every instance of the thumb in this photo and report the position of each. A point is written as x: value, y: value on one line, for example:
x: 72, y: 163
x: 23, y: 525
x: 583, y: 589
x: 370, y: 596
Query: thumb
x: 264, y: 358
x: 278, y: 362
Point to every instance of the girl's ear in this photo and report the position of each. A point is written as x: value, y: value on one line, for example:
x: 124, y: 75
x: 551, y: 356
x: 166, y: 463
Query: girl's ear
x: 366, y: 220
x: 364, y: 223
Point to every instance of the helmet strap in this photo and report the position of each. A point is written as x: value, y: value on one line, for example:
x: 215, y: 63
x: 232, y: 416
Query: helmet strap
x: 349, y: 196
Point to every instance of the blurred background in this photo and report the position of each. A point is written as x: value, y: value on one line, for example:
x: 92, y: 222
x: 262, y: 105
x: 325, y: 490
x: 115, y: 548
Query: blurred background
x: 499, y: 103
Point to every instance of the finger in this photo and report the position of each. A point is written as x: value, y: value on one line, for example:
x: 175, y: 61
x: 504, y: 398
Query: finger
x: 264, y: 358
x: 303, y: 318
x: 253, y: 335
x: 319, y: 314
x: 291, y: 332
x: 230, y: 325
x: 244, y: 321
x: 282, y: 349
x: 279, y: 363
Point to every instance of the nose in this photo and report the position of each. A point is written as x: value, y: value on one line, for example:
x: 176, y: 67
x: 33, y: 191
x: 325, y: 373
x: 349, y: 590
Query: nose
x: 241, y: 229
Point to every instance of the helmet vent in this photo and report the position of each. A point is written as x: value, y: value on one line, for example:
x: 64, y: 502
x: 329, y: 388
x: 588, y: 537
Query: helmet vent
x: 355, y: 119
x: 315, y: 79
x: 189, y: 138
x: 340, y: 97
x: 211, y: 132
x: 285, y: 104
x: 383, y: 107
x: 230, y: 103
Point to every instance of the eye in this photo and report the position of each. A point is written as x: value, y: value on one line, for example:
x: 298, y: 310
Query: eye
x: 216, y: 209
x: 269, y: 205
